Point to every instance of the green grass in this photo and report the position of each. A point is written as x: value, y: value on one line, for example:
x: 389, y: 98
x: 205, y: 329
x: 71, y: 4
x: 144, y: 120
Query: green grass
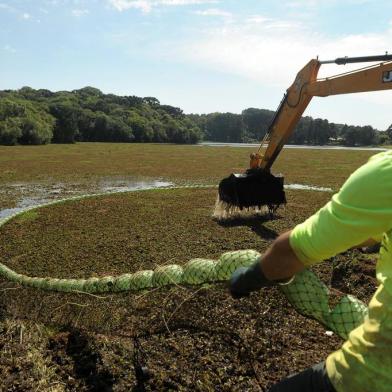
x: 84, y: 162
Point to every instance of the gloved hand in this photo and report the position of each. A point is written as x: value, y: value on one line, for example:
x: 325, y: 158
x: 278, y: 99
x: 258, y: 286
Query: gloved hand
x: 244, y: 280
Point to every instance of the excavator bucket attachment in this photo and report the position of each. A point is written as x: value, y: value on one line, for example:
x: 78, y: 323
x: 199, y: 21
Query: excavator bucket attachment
x: 255, y: 190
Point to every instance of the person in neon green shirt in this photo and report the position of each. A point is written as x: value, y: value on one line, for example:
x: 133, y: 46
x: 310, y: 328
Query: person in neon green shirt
x: 360, y: 213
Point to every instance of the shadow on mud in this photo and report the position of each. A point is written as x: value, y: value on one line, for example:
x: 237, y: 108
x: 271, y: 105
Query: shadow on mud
x: 2, y: 312
x: 77, y: 348
x: 255, y: 223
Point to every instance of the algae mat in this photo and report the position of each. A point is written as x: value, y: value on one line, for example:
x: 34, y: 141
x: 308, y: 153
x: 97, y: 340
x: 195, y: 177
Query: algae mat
x: 90, y: 342
x: 139, y: 230
x: 191, y: 339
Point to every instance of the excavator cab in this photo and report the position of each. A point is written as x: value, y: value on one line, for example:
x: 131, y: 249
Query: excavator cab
x: 257, y: 189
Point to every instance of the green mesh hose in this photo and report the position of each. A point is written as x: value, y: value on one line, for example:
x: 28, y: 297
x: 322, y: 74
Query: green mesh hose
x: 307, y: 294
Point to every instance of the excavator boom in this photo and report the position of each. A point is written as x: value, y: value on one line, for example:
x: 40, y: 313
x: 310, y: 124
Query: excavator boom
x: 306, y: 86
x: 257, y: 187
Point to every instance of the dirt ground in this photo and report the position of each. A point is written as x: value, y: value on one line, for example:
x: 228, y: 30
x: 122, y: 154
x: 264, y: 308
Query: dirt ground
x: 172, y: 339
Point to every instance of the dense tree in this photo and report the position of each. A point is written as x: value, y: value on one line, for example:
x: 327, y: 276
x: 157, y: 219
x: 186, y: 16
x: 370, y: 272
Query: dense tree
x: 86, y: 126
x: 66, y: 127
x: 252, y: 125
x: 172, y: 111
x: 383, y: 138
x: 389, y: 132
x: 10, y: 131
x: 151, y: 101
x: 224, y: 127
x: 11, y: 108
x: 361, y: 136
x: 88, y: 92
x: 29, y: 116
x: 365, y: 135
x: 37, y: 127
x: 23, y: 122
x: 87, y: 114
x: 256, y: 122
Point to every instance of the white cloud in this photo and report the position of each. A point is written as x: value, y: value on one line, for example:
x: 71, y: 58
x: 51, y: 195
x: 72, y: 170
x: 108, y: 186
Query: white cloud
x: 185, y: 2
x: 147, y: 5
x: 317, y: 3
x: 214, y: 12
x: 122, y: 5
x: 79, y: 12
x: 26, y: 16
x: 272, y: 51
x: 9, y: 48
x: 257, y: 19
x: 5, y: 7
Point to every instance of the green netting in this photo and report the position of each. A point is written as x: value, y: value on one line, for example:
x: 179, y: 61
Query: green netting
x: 105, y: 284
x: 90, y: 285
x: 141, y: 280
x: 166, y: 275
x: 46, y: 284
x: 64, y: 285
x: 50, y: 284
x: 312, y: 298
x: 347, y: 315
x: 308, y: 294
x: 230, y: 261
x: 9, y: 274
x: 122, y: 282
x: 198, y: 271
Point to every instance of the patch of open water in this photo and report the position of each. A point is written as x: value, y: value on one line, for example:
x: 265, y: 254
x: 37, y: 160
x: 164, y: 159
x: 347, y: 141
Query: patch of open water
x: 308, y: 187
x: 31, y: 194
x: 256, y: 145
x: 35, y: 194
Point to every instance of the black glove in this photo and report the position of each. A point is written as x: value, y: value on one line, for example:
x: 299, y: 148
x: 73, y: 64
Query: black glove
x: 247, y: 279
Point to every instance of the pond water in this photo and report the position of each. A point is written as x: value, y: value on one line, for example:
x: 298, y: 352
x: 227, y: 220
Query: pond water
x: 35, y: 194
x: 256, y: 145
x: 308, y: 187
x: 30, y: 194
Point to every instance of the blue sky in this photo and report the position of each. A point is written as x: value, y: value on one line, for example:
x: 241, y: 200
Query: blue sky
x: 200, y: 55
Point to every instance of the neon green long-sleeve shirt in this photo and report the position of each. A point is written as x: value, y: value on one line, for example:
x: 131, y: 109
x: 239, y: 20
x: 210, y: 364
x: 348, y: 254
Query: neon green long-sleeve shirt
x: 362, y: 209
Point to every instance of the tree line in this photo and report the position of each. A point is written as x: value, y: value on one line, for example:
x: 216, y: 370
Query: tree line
x: 252, y: 124
x: 29, y: 116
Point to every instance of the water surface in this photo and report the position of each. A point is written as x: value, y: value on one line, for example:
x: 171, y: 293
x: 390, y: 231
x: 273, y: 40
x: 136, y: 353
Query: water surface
x: 256, y: 145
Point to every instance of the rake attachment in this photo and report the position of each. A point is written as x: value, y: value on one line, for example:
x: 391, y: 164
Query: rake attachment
x: 256, y: 190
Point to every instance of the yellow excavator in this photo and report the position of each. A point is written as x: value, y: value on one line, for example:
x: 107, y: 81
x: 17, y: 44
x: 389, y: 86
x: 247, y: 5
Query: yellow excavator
x: 258, y: 187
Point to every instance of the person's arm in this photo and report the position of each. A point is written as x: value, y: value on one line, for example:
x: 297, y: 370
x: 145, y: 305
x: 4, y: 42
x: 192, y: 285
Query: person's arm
x: 361, y: 210
x: 280, y: 262
x: 278, y: 265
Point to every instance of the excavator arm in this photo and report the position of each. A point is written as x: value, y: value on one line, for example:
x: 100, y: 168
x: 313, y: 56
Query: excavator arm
x: 258, y: 187
x: 306, y: 86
